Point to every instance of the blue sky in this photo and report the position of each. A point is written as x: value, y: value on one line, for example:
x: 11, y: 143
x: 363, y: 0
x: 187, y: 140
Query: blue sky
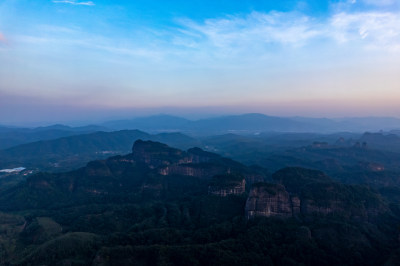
x: 77, y: 59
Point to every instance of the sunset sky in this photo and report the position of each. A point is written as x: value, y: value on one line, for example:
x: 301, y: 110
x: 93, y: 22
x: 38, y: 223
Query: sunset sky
x: 66, y: 60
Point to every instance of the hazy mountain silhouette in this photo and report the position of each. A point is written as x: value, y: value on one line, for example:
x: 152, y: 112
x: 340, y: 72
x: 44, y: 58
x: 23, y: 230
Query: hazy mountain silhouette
x: 254, y: 123
x: 160, y: 123
x: 75, y: 151
x: 12, y: 136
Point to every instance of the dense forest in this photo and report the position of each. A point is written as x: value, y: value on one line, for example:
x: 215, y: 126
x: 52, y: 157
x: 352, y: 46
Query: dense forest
x: 159, y: 205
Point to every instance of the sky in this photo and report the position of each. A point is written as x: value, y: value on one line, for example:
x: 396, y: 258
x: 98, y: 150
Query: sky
x: 66, y: 60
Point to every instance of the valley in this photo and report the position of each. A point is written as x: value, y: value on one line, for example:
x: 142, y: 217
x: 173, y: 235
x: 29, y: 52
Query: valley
x: 191, y: 133
x: 159, y: 204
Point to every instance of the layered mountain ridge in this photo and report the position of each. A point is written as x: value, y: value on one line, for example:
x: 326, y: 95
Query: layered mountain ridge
x: 162, y: 205
x: 300, y: 192
x: 156, y: 169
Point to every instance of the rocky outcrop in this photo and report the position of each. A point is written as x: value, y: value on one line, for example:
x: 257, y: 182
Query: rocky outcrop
x: 268, y: 200
x: 155, y: 154
x: 194, y: 162
x: 196, y: 170
x: 304, y: 192
x: 225, y: 185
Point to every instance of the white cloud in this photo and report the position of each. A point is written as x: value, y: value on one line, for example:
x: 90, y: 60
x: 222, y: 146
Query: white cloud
x: 257, y: 28
x: 236, y: 39
x: 74, y: 2
x: 378, y: 30
x: 93, y: 43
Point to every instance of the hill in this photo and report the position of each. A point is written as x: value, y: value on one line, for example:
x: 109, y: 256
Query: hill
x: 75, y: 151
x: 253, y: 123
x: 162, y: 205
x: 13, y: 136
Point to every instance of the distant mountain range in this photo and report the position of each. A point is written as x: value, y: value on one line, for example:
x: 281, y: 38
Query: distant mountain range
x: 74, y: 151
x: 254, y: 123
x: 246, y: 124
x: 12, y: 136
x: 274, y: 150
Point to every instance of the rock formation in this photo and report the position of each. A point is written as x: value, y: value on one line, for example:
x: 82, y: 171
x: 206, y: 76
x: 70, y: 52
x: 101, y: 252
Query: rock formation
x: 268, y: 200
x: 155, y: 154
x: 195, y: 162
x: 229, y: 184
x: 304, y: 192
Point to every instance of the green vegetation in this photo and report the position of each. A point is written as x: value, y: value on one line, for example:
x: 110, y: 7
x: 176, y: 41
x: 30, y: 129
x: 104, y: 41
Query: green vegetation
x: 71, y: 152
x: 123, y: 212
x: 227, y: 180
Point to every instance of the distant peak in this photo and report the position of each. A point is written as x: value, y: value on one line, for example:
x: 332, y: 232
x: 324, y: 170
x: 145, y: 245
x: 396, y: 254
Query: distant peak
x: 148, y: 144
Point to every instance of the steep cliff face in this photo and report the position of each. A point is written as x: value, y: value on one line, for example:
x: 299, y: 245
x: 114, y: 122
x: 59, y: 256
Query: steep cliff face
x: 152, y: 170
x: 196, y: 170
x: 195, y: 162
x: 228, y: 184
x: 156, y: 154
x: 304, y: 192
x: 268, y: 200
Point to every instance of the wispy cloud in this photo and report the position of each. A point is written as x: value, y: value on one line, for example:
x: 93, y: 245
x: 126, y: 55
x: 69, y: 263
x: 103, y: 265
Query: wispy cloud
x: 91, y: 42
x: 267, y: 28
x: 378, y: 30
x: 74, y: 2
x: 253, y: 37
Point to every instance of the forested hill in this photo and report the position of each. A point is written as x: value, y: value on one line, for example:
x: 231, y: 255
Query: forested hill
x: 75, y: 151
x: 161, y: 205
x: 13, y: 136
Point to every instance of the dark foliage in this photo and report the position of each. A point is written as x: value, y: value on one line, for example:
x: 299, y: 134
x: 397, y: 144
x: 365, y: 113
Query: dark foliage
x: 123, y: 211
